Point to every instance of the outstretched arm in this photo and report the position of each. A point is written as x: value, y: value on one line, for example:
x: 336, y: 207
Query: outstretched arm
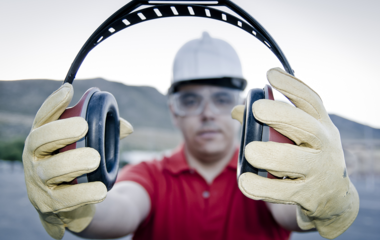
x: 126, y: 206
x: 286, y: 216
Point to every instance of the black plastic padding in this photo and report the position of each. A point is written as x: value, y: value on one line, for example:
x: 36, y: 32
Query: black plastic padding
x: 130, y: 15
x: 252, y: 133
x: 103, y: 135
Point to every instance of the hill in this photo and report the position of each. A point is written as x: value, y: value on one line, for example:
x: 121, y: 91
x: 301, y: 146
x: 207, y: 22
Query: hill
x: 137, y: 104
x: 352, y: 130
x: 147, y: 110
x: 144, y: 107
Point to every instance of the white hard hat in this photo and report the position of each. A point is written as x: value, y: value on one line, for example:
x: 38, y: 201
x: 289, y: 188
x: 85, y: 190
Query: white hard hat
x: 207, y: 61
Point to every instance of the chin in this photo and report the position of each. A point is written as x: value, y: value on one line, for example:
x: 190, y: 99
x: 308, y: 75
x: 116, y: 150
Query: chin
x: 212, y: 148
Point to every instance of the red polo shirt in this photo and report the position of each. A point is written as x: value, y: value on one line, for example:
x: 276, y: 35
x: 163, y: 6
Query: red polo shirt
x: 184, y: 206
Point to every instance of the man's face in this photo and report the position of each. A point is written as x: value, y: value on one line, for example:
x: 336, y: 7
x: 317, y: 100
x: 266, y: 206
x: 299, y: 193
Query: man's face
x: 205, y: 120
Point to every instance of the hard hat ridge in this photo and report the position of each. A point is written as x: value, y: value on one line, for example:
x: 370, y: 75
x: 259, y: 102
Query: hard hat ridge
x: 208, y: 61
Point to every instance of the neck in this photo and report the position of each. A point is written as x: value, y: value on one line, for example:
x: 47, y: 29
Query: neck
x: 211, y: 167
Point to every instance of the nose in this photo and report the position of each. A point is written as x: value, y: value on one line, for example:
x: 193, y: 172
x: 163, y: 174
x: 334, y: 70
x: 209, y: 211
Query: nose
x: 207, y: 112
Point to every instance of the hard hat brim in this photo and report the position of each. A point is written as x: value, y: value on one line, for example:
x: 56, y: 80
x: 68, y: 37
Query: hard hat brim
x: 228, y: 82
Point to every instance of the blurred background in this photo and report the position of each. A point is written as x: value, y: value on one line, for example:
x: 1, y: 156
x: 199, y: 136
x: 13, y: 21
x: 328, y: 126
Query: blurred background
x: 331, y: 45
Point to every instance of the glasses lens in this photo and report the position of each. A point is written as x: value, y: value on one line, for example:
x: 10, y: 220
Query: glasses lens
x: 189, y: 102
x: 193, y: 102
x: 224, y: 101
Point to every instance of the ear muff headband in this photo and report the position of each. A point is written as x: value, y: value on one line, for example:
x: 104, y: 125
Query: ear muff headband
x: 127, y: 16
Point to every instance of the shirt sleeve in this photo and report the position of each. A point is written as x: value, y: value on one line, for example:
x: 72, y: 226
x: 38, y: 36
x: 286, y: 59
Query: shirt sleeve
x: 140, y: 173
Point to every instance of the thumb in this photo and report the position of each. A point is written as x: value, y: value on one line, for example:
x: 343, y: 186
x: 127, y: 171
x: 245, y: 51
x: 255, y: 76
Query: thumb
x: 125, y: 128
x: 238, y: 113
x: 54, y: 105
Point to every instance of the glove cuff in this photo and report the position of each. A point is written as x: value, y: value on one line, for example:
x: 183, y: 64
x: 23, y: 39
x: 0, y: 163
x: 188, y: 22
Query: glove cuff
x: 53, y: 225
x: 76, y: 220
x: 338, y: 223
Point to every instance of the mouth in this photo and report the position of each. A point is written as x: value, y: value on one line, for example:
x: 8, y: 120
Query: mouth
x: 208, y: 134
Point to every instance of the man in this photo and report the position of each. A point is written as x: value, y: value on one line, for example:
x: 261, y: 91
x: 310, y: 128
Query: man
x: 193, y: 194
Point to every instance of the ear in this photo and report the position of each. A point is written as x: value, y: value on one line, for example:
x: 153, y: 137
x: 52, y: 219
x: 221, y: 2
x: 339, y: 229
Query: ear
x: 173, y: 116
x: 243, y: 100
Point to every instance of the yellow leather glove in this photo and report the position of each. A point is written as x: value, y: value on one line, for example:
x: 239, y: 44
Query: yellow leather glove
x: 317, y: 180
x: 47, y: 173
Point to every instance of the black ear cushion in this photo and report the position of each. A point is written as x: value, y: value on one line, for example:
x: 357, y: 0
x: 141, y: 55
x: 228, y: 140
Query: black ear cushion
x: 252, y: 130
x: 103, y: 135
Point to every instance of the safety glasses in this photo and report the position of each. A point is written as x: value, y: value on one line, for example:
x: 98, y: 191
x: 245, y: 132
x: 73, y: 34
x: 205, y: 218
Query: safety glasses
x: 193, y: 101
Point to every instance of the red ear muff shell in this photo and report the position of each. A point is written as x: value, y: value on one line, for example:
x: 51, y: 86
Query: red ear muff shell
x: 253, y: 130
x: 102, y: 115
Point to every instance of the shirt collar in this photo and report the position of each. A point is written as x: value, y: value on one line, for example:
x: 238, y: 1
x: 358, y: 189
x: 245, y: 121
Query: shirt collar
x: 177, y: 163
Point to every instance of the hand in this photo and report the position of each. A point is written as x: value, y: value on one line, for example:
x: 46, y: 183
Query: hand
x: 315, y: 171
x: 47, y: 174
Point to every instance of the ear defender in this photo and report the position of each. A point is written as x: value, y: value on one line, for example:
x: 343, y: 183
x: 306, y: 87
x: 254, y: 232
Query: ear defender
x: 253, y: 130
x: 103, y: 133
x: 101, y: 112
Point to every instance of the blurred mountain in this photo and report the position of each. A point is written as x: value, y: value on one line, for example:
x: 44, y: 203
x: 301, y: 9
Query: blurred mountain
x: 352, y: 130
x: 144, y: 107
x: 136, y: 104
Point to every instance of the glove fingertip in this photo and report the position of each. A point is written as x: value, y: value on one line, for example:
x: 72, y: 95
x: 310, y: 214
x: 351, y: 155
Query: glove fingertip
x: 237, y: 113
x: 81, y: 124
x: 98, y: 190
x: 89, y: 156
x: 262, y: 109
x: 244, y: 184
x: 251, y: 149
x: 274, y: 75
x: 54, y: 105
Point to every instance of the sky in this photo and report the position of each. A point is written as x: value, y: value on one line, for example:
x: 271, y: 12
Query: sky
x: 333, y: 46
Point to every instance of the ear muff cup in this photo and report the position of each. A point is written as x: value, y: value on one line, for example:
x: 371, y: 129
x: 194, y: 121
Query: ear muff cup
x: 251, y: 130
x: 254, y: 130
x: 103, y: 135
x: 102, y: 115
